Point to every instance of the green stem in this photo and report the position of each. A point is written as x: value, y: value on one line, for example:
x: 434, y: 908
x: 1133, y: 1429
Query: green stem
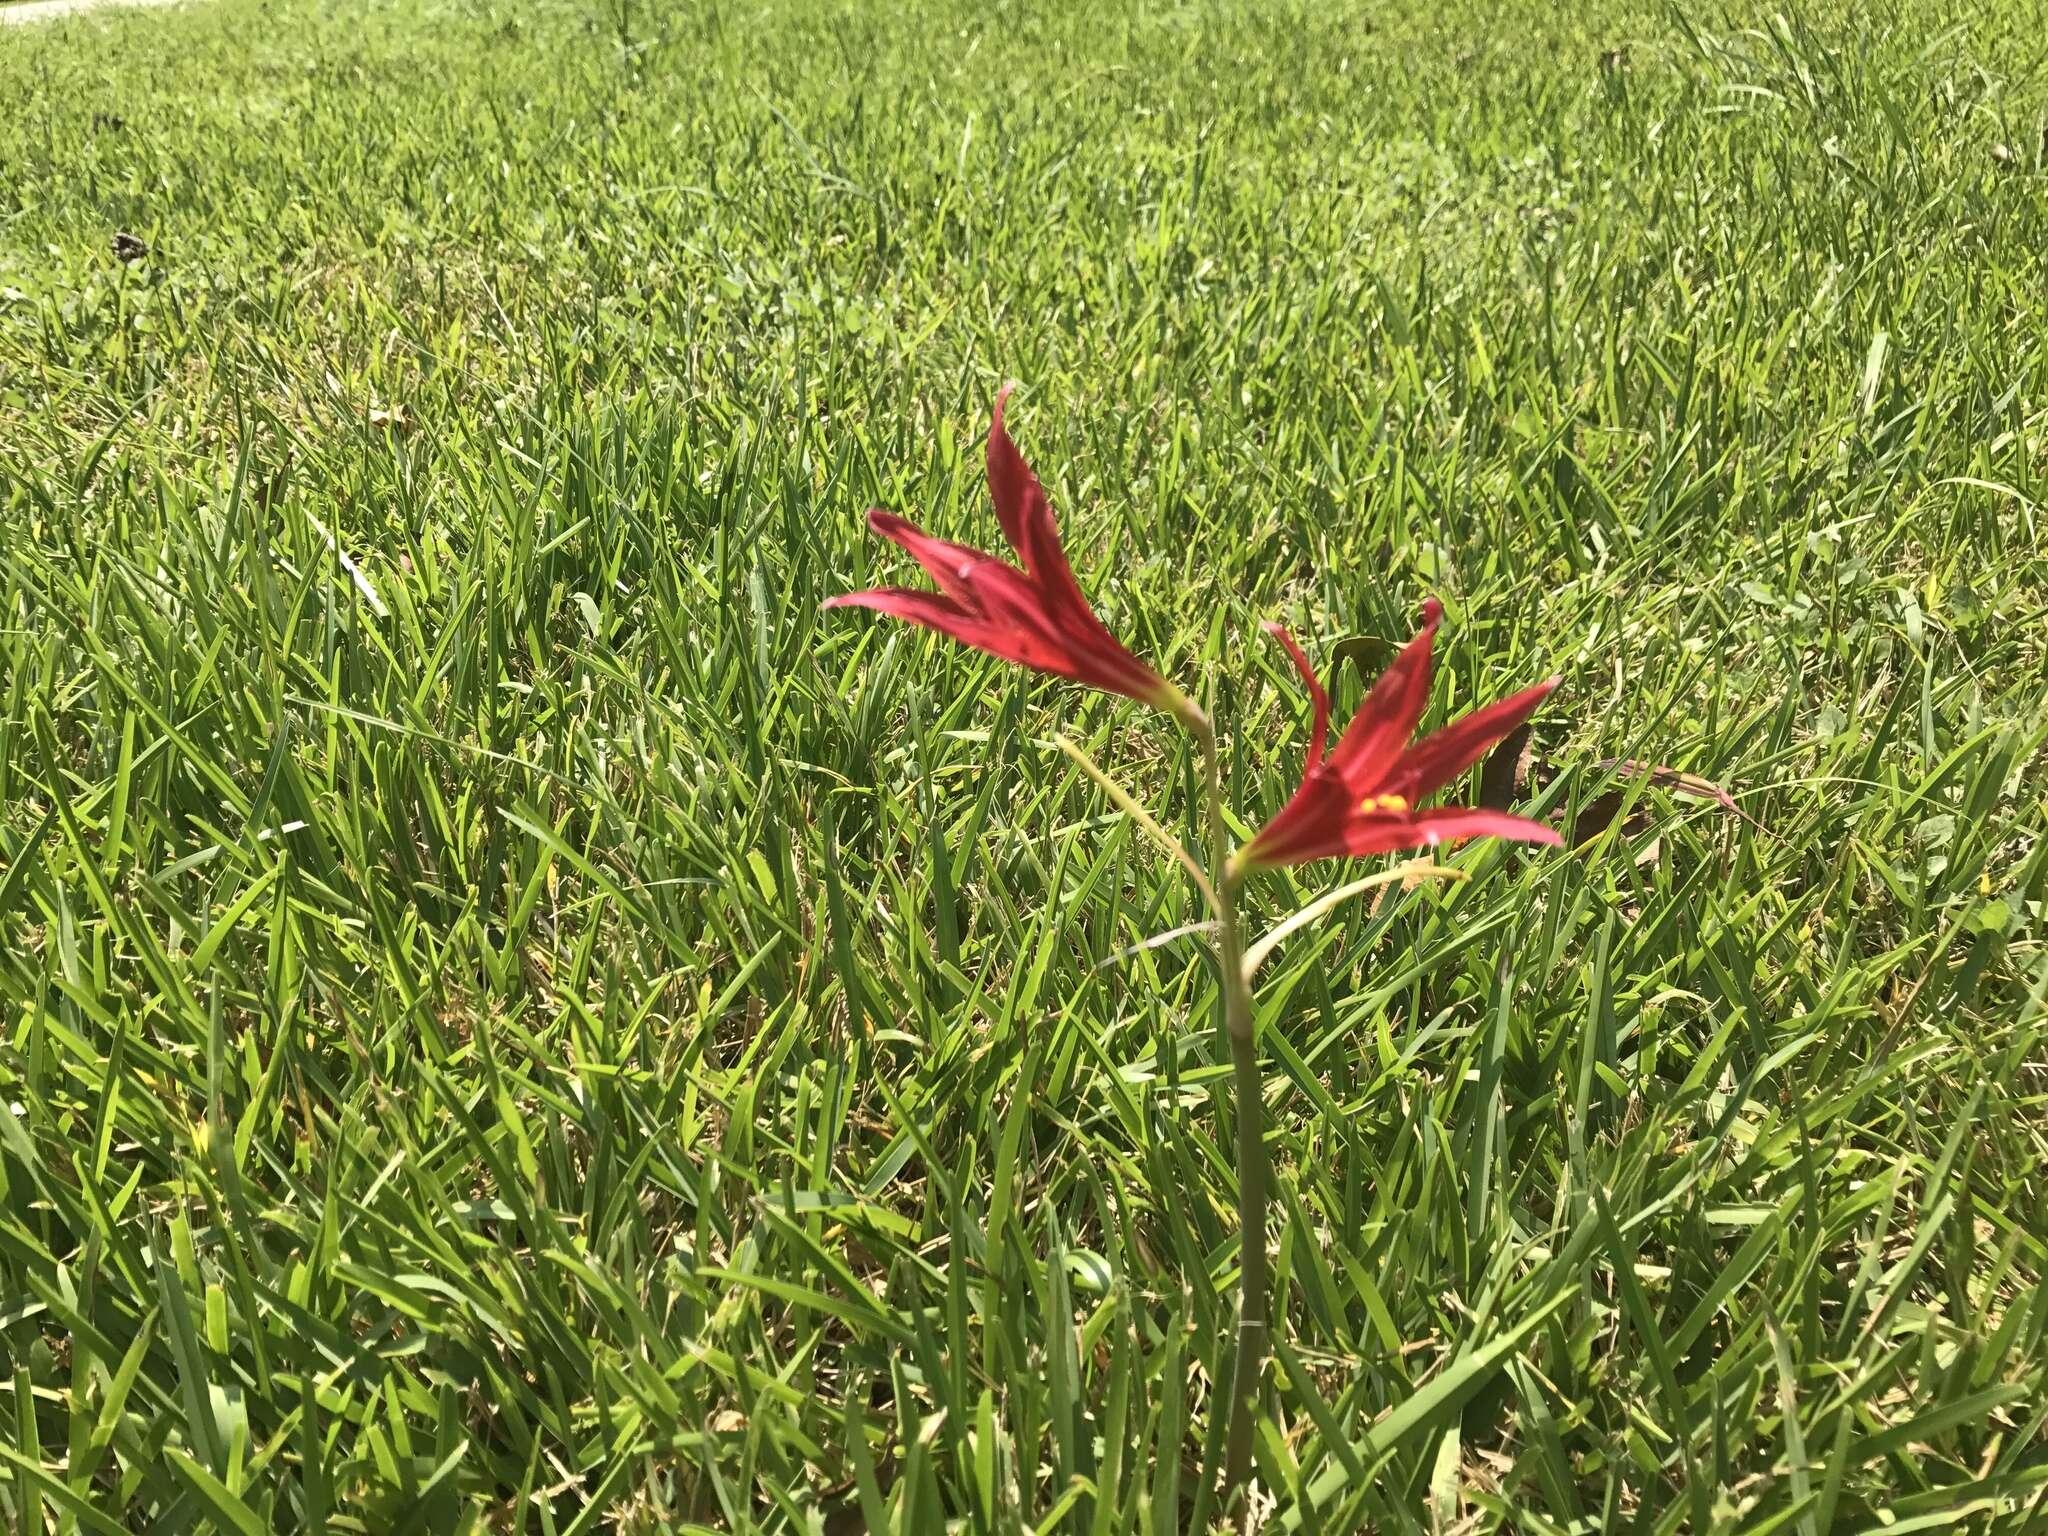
x: 1249, y: 1085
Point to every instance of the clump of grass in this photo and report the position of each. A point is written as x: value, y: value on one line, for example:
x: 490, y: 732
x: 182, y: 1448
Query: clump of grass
x: 506, y: 1022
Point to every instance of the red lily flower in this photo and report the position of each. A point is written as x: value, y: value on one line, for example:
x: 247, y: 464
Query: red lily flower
x: 1363, y: 797
x: 1032, y: 613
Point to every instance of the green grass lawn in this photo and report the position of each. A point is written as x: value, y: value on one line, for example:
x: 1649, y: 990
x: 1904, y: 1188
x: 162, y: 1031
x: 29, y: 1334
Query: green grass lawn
x: 511, y: 1021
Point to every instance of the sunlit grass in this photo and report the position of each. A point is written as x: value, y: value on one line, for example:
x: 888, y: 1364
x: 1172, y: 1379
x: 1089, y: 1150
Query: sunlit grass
x: 509, y: 1020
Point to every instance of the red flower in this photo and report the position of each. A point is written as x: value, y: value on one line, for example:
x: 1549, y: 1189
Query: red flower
x: 1363, y: 797
x: 1032, y: 613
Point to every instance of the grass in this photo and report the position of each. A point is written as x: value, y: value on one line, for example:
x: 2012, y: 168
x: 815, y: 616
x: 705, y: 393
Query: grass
x: 510, y: 1020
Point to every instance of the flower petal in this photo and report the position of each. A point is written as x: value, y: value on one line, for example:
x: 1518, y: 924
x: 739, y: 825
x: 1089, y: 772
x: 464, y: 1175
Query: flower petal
x: 951, y: 565
x: 1440, y: 757
x: 935, y: 611
x: 1368, y: 832
x: 984, y: 585
x: 1304, y: 822
x: 1026, y: 517
x: 1388, y: 716
x: 1457, y: 823
x: 1034, y: 613
x: 1318, y: 732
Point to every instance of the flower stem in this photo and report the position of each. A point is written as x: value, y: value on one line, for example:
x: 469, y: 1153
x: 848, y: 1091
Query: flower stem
x: 1250, y: 1096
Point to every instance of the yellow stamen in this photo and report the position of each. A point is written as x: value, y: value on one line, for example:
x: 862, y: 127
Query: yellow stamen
x: 1390, y: 802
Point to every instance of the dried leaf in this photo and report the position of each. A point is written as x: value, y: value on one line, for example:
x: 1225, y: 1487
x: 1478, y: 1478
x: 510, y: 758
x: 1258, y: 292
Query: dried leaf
x: 1512, y: 773
x: 1368, y: 653
x: 1679, y: 781
x: 1596, y: 815
x: 1504, y: 777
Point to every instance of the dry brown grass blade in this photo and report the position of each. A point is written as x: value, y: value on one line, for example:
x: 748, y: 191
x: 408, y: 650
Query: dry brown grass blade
x: 1679, y: 781
x: 1512, y: 772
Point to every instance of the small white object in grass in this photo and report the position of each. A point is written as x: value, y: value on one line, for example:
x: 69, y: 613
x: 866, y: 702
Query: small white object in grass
x: 355, y: 571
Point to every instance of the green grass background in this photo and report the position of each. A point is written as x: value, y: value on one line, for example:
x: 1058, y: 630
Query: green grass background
x: 510, y: 1021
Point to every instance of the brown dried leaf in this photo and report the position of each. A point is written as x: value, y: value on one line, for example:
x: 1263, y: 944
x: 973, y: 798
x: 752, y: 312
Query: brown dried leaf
x: 1679, y: 781
x: 1504, y: 777
x: 1368, y: 653
x: 1512, y: 772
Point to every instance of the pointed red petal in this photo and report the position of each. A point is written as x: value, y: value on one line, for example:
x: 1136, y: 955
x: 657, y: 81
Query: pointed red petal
x: 986, y: 584
x: 1374, y: 832
x: 1320, y: 804
x: 1318, y: 732
x: 1026, y: 517
x: 1011, y: 484
x: 1035, y: 615
x: 951, y: 565
x: 1440, y: 757
x: 1368, y: 832
x: 1060, y: 606
x: 1388, y: 716
x: 1457, y: 823
x: 935, y: 611
x: 995, y: 591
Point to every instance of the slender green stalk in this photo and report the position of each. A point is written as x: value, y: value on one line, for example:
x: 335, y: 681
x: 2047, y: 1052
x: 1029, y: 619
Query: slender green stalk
x: 1121, y: 797
x: 1251, y: 1137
